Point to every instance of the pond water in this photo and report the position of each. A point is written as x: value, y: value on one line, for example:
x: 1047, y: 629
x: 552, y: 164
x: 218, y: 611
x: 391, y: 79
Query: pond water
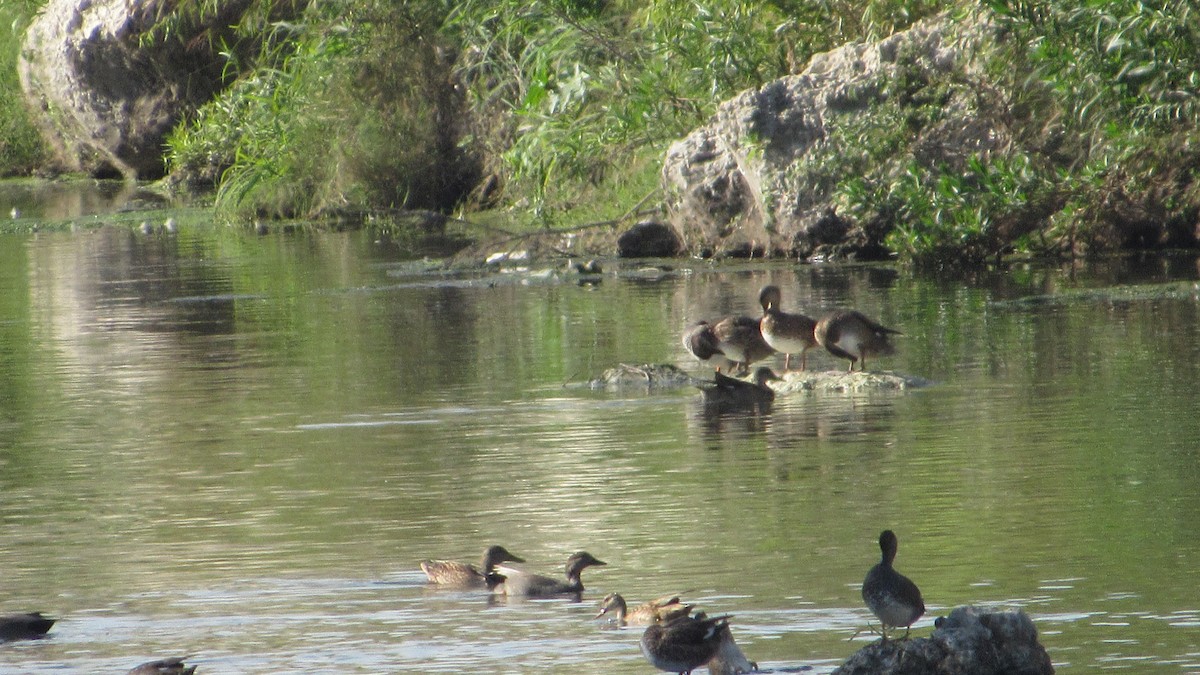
x: 240, y: 447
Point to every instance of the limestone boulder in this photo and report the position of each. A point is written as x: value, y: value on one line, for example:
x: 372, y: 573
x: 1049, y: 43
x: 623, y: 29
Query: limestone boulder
x: 104, y: 97
x: 761, y: 177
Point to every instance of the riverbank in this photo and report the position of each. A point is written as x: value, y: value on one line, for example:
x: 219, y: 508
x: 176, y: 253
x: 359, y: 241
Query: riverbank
x: 947, y: 135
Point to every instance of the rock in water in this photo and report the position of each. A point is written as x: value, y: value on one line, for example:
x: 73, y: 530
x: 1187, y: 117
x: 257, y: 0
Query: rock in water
x: 968, y: 642
x: 104, y: 98
x: 644, y: 375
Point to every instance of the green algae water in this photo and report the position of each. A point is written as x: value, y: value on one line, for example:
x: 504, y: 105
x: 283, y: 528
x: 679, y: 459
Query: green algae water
x: 239, y: 447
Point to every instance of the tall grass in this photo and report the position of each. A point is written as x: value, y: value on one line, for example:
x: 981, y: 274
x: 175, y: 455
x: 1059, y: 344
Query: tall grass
x: 21, y: 147
x: 579, y: 87
x: 346, y: 110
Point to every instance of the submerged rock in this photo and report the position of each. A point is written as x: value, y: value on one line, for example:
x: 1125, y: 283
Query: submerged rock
x: 644, y: 375
x: 665, y: 375
x: 968, y: 642
x: 843, y: 381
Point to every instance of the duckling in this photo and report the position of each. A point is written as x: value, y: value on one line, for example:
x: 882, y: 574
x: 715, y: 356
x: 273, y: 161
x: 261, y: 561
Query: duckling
x: 730, y: 393
x: 521, y: 583
x: 850, y: 335
x: 654, y: 611
x: 29, y: 626
x: 892, y: 597
x: 784, y: 332
x: 172, y: 666
x: 684, y: 644
x: 465, y: 575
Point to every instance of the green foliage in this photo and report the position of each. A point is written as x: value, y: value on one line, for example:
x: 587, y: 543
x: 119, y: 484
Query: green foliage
x: 945, y: 217
x: 579, y: 88
x: 1114, y: 90
x: 356, y: 113
x: 21, y: 149
x: 560, y: 95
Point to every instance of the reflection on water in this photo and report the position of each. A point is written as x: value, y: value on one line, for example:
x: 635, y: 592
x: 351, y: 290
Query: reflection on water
x: 239, y: 447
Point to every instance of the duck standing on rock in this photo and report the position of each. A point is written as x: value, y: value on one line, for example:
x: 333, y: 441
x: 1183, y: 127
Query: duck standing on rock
x: 521, y: 583
x: 785, y: 332
x: 683, y: 644
x: 465, y: 575
x: 892, y: 597
x: 850, y: 335
x: 737, y: 340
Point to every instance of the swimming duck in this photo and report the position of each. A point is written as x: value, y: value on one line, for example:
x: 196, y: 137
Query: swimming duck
x: 29, y: 626
x: 684, y: 644
x: 850, y: 335
x: 784, y: 332
x: 465, y: 575
x: 892, y: 597
x: 730, y: 393
x: 520, y: 582
x: 173, y: 666
x: 653, y: 611
x: 736, y: 339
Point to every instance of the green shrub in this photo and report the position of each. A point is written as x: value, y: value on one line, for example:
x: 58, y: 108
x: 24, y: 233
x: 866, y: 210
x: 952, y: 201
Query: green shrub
x: 21, y: 147
x: 356, y: 113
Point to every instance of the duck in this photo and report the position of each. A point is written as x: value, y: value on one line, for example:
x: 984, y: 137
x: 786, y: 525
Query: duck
x: 730, y: 659
x: 654, y: 611
x: 521, y: 583
x: 784, y: 332
x: 736, y: 339
x: 465, y: 575
x: 27, y: 626
x: 892, y: 597
x: 172, y: 666
x: 730, y: 393
x: 701, y: 342
x: 849, y: 334
x: 683, y: 644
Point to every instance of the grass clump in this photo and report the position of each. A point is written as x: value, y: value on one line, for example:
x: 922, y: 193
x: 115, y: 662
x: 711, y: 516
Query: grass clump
x: 345, y: 111
x: 21, y: 148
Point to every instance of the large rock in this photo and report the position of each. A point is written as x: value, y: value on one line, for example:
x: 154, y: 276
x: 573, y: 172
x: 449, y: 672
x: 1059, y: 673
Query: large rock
x: 761, y: 177
x: 103, y: 99
x: 648, y: 239
x: 968, y: 642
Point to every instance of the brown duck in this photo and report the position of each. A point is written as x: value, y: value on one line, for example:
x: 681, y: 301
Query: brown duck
x: 684, y: 644
x: 730, y: 393
x: 466, y: 575
x: 849, y: 335
x: 784, y: 332
x: 654, y: 611
x: 736, y: 339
